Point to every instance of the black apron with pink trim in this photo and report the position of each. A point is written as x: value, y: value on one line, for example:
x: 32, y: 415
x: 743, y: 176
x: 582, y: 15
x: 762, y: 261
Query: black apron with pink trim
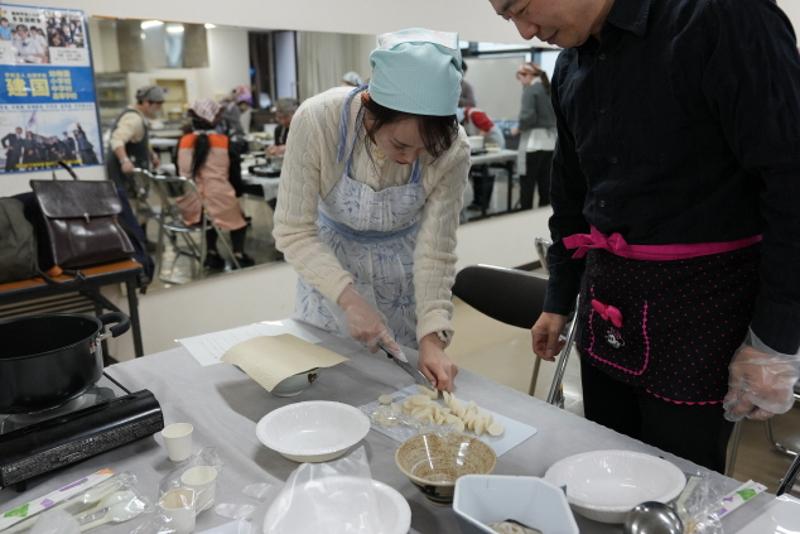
x: 668, y: 327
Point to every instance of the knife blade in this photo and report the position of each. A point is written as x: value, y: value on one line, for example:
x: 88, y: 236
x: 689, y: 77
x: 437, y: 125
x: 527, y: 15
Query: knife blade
x: 415, y: 373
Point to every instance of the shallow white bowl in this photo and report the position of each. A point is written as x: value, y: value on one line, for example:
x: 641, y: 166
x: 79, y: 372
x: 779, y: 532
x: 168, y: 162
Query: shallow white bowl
x: 295, y: 384
x: 481, y: 500
x: 329, y: 504
x: 606, y: 485
x: 312, y: 431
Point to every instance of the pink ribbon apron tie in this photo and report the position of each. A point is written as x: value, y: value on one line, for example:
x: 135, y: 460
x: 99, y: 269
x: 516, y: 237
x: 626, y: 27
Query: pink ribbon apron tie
x: 608, y: 312
x: 616, y: 244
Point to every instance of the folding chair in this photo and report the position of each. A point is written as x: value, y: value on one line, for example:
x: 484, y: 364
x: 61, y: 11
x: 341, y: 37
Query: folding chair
x: 771, y: 435
x: 516, y: 298
x: 170, y: 223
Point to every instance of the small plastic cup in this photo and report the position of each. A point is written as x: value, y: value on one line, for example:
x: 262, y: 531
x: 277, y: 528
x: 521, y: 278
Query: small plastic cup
x: 203, y: 480
x: 178, y: 440
x: 178, y: 506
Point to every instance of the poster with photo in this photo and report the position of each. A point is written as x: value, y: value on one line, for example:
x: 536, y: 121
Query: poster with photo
x: 48, y: 109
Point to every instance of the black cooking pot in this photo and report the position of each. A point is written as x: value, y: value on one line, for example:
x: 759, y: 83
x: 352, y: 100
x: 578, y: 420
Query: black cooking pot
x: 46, y: 360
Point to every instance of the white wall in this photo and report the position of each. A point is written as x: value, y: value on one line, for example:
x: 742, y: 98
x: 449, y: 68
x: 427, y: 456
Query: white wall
x: 267, y: 291
x: 228, y: 60
x: 792, y: 8
x: 497, y: 91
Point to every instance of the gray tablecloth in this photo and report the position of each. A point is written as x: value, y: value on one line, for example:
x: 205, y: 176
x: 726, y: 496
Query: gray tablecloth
x: 224, y: 405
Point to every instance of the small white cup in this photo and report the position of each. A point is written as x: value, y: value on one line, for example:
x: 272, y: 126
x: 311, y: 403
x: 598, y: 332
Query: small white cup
x: 178, y: 505
x: 178, y: 440
x: 203, y: 480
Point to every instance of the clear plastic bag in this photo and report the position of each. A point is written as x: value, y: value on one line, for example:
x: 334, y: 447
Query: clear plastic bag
x: 703, y: 506
x: 115, y: 499
x: 335, y: 497
x: 183, y: 493
x: 56, y: 522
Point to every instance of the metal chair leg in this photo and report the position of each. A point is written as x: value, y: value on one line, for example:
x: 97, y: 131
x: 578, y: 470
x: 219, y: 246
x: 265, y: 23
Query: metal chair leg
x: 556, y: 394
x: 221, y: 238
x: 777, y: 445
x: 537, y: 364
x: 788, y: 481
x: 733, y: 449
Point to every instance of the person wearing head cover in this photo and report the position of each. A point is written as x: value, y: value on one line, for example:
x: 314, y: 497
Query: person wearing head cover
x: 369, y: 200
x: 204, y: 156
x: 129, y: 147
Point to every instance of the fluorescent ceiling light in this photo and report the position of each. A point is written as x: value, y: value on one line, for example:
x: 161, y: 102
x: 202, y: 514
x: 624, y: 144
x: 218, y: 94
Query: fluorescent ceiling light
x: 148, y: 24
x: 210, y: 26
x: 175, y: 28
x: 143, y: 36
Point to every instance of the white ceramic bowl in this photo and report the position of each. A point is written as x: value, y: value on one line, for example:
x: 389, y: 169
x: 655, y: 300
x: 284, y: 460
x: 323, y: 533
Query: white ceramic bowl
x: 481, y: 500
x: 606, y: 485
x: 329, y: 504
x: 313, y: 431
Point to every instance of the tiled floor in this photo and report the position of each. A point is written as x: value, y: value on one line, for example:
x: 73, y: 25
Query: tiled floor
x: 503, y: 353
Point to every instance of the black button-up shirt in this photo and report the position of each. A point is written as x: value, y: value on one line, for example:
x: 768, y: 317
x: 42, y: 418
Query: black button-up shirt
x: 681, y: 124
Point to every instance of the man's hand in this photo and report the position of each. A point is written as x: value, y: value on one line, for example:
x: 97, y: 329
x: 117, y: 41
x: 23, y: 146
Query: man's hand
x: 127, y: 166
x: 546, y: 335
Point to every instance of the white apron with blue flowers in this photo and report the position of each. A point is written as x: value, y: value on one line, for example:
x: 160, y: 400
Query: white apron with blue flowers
x: 373, y: 235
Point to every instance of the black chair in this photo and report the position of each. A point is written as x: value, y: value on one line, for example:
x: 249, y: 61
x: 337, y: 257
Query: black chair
x: 516, y: 298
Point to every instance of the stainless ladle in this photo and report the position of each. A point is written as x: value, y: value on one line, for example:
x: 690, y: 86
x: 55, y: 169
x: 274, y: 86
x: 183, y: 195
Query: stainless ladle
x: 653, y: 518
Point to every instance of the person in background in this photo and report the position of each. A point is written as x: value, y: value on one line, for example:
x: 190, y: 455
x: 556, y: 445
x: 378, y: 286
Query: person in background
x: 243, y: 99
x: 675, y: 193
x: 537, y: 122
x: 69, y: 147
x: 352, y: 79
x: 129, y: 147
x: 477, y: 122
x: 284, y: 111
x: 203, y: 156
x: 85, y: 147
x: 5, y: 29
x: 370, y: 194
x: 14, y: 143
x: 467, y: 98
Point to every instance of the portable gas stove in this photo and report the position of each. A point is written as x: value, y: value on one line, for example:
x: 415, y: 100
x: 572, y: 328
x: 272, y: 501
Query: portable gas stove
x: 102, y: 418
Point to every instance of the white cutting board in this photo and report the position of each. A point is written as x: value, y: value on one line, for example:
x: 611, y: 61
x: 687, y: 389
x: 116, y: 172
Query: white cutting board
x: 515, y: 433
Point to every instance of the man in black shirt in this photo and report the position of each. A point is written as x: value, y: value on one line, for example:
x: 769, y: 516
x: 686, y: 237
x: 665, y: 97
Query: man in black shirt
x: 675, y: 186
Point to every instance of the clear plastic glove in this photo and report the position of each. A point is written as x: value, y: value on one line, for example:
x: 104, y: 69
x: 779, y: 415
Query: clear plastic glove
x: 435, y: 364
x: 760, y: 382
x: 366, y: 324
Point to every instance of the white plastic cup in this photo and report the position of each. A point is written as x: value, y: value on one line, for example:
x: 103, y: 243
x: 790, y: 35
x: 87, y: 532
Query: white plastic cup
x: 178, y: 505
x: 203, y: 480
x: 178, y: 440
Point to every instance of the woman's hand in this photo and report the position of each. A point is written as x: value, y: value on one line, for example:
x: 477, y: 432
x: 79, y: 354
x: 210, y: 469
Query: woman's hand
x: 366, y: 324
x: 434, y: 363
x: 546, y: 335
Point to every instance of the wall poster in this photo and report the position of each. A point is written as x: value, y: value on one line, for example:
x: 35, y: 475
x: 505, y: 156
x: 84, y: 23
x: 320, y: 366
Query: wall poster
x: 48, y: 109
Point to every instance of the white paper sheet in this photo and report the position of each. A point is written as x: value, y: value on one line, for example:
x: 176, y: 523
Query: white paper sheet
x: 515, y: 433
x: 208, y: 349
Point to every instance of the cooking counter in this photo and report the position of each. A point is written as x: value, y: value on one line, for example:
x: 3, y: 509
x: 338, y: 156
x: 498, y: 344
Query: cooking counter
x: 224, y: 405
